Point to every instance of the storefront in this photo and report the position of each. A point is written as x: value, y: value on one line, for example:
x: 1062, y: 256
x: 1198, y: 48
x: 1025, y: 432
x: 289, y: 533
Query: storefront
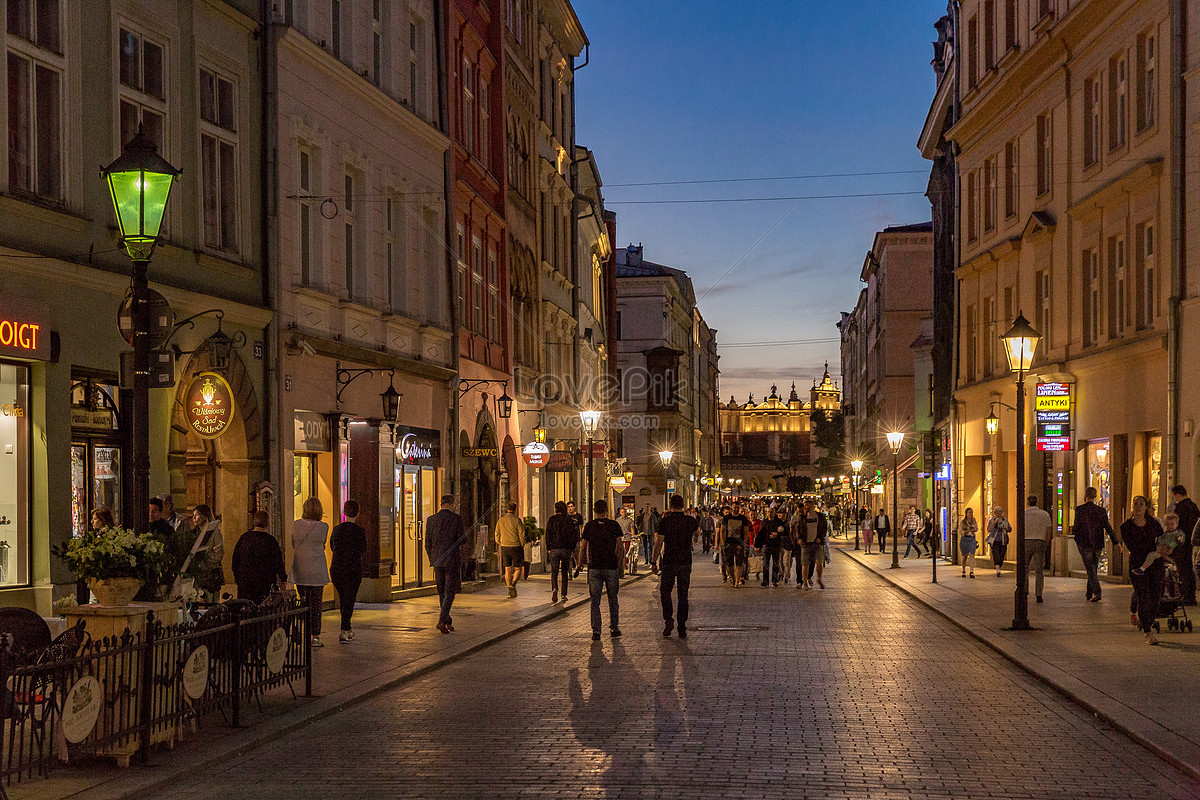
x: 14, y: 474
x: 416, y: 491
x: 97, y: 456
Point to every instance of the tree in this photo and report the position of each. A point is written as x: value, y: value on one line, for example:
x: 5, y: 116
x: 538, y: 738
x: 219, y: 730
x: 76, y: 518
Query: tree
x: 828, y: 433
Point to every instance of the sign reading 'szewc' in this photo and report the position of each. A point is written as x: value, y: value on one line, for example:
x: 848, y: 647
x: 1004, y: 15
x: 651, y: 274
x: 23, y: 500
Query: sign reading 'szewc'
x: 208, y: 405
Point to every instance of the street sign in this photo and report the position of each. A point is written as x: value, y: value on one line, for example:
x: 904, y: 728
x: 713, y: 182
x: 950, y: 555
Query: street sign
x: 162, y: 369
x: 670, y: 484
x: 159, y: 316
x: 1052, y: 412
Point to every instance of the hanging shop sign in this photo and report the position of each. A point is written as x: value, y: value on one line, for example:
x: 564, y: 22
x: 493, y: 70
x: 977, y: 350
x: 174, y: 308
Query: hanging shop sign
x: 208, y: 405
x: 560, y: 461
x: 1052, y: 407
x: 421, y: 446
x: 313, y: 431
x: 535, y: 454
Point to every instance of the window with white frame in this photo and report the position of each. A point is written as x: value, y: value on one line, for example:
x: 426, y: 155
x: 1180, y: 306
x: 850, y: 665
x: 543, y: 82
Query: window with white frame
x: 477, y: 285
x: 484, y: 123
x: 35, y: 87
x: 989, y: 194
x: 460, y: 251
x: 1116, y: 286
x: 218, y: 160
x: 394, y: 280
x: 295, y: 13
x: 493, y: 297
x: 1117, y: 102
x: 1010, y: 25
x: 972, y: 205
x: 972, y: 53
x: 349, y: 213
x: 989, y: 336
x: 989, y: 34
x: 972, y: 344
x: 1045, y: 154
x: 414, y: 66
x: 1147, y: 54
x: 143, y: 91
x: 335, y: 32
x: 1041, y: 292
x: 1147, y: 291
x: 1011, y: 179
x: 468, y: 106
x: 1091, y: 121
x: 308, y: 219
x: 377, y: 42
x: 1091, y: 299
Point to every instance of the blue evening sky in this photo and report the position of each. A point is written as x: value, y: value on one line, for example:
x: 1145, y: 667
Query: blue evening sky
x: 684, y: 90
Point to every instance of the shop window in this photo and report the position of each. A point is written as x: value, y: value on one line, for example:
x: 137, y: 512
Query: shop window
x: 14, y: 475
x: 1099, y: 472
x: 96, y: 456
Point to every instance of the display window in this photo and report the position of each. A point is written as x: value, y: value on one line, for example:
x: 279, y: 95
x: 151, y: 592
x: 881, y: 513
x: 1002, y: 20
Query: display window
x: 96, y: 454
x: 14, y: 474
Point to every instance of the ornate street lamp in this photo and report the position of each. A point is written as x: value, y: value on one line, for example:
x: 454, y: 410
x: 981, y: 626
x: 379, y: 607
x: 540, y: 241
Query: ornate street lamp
x: 591, y: 423
x: 391, y: 399
x: 1020, y: 343
x: 140, y: 182
x: 992, y: 422
x: 665, y: 456
x: 895, y: 441
x: 504, y: 403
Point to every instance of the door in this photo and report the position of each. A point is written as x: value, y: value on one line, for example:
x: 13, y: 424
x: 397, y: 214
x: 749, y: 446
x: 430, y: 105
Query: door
x: 411, y: 524
x: 428, y: 492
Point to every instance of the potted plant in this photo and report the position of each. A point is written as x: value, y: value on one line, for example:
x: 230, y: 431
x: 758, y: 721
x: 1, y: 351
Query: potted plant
x: 533, y: 535
x: 114, y: 561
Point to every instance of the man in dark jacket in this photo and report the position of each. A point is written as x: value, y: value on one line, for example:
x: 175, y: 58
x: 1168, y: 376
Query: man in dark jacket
x: 562, y: 536
x: 1091, y: 523
x: 444, y: 535
x: 1189, y: 515
x: 257, y: 561
x: 811, y: 533
x: 770, y: 541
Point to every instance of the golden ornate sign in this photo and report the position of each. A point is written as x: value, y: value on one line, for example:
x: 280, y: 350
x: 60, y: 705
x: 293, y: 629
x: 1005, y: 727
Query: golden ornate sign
x: 208, y: 405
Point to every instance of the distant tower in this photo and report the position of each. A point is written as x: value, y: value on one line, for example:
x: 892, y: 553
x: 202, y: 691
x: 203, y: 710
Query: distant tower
x: 825, y: 395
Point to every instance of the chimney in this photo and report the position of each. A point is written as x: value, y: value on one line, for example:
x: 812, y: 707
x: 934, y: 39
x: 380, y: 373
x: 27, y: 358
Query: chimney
x: 633, y: 256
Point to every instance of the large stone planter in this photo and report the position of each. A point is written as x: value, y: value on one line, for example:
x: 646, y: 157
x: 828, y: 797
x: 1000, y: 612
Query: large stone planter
x: 115, y: 591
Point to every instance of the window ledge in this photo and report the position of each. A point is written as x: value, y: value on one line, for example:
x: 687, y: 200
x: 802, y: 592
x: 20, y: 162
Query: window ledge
x: 43, y: 211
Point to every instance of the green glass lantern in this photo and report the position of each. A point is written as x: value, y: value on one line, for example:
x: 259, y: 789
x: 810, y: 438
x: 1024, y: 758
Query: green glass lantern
x: 140, y: 181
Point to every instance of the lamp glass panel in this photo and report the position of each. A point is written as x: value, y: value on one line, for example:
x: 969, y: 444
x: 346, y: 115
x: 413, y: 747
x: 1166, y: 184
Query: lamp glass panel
x: 1019, y: 350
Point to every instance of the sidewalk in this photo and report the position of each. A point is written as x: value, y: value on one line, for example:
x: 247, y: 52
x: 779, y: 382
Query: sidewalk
x: 393, y: 644
x: 1088, y: 651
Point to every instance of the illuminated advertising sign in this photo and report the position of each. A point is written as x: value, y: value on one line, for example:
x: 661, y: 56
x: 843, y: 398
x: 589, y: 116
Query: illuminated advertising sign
x: 1052, y: 409
x: 24, y: 337
x: 208, y: 405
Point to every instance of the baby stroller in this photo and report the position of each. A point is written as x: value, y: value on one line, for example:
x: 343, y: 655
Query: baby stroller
x: 1170, y: 605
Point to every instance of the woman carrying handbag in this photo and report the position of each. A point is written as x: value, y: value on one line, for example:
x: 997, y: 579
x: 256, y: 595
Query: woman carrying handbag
x: 998, y: 530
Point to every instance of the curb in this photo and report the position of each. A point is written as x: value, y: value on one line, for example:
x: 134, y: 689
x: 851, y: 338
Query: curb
x: 1120, y: 716
x: 131, y: 788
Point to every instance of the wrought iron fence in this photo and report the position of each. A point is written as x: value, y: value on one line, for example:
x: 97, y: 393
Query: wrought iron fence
x: 119, y: 696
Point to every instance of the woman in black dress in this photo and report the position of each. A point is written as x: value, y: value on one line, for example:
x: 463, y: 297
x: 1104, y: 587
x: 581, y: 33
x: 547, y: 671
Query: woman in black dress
x: 1137, y: 537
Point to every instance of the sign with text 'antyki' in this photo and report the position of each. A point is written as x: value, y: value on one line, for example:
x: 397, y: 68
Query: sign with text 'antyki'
x: 1052, y: 407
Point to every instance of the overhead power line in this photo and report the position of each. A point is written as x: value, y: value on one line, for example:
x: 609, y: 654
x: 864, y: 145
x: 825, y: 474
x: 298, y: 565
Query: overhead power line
x: 774, y: 178
x: 757, y: 199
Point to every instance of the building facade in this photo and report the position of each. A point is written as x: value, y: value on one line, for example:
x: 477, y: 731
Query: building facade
x: 658, y: 330
x: 1069, y: 215
x: 83, y: 78
x: 767, y: 446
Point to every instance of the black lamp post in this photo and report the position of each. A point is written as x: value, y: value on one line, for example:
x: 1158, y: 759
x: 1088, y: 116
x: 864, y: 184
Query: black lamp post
x: 140, y: 182
x: 895, y: 441
x: 1019, y: 345
x: 591, y: 421
x: 857, y: 466
x: 665, y: 457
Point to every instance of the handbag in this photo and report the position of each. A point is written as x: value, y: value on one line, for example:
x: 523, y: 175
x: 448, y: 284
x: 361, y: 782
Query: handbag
x: 755, y: 564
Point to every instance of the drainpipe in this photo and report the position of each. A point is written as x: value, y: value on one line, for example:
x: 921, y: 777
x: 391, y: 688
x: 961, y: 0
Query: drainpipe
x: 269, y: 209
x: 956, y: 465
x: 440, y: 28
x: 1178, y: 234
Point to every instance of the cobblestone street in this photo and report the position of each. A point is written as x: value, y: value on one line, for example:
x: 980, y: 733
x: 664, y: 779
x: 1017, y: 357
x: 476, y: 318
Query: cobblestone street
x: 776, y: 693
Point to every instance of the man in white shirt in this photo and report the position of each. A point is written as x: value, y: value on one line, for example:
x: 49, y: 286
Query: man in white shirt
x: 1038, y: 531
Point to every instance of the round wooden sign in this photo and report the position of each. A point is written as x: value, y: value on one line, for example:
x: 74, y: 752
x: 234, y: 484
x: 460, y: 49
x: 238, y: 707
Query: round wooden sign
x: 208, y: 405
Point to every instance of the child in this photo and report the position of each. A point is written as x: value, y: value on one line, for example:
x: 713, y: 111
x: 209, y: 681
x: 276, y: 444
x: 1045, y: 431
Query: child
x: 1164, y: 544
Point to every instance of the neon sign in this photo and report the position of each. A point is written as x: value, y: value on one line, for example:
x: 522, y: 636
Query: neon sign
x: 22, y: 338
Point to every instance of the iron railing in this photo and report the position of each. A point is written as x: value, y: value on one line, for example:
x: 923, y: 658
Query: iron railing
x: 120, y: 696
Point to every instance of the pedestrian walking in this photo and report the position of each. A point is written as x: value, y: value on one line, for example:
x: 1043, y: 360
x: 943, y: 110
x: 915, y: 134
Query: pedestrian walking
x: 708, y: 528
x: 968, y: 541
x: 926, y: 538
x: 310, y: 572
x: 444, y: 535
x: 205, y: 561
x: 812, y: 533
x: 1189, y: 516
x: 348, y: 542
x: 883, y: 526
x: 998, y: 531
x: 257, y: 561
x: 735, y: 530
x: 868, y: 531
x: 1139, y: 535
x: 626, y: 523
x: 562, y: 537
x: 912, y: 525
x: 787, y: 549
x: 510, y: 538
x: 770, y: 540
x: 647, y: 527
x: 602, y: 550
x: 1038, y: 533
x: 673, y: 561
x: 1091, y: 524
